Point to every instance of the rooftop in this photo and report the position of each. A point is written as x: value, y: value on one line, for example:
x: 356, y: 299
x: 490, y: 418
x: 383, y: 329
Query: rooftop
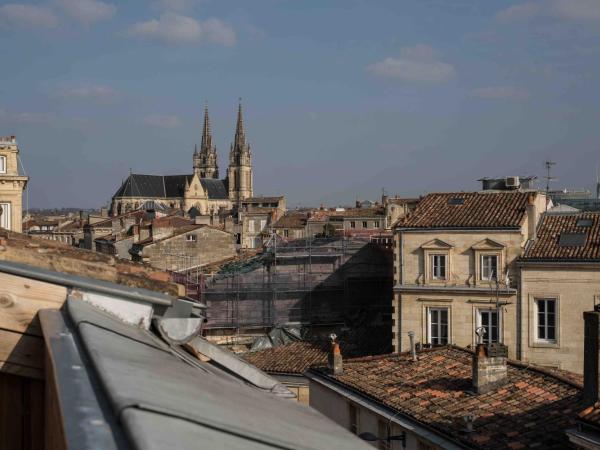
x: 468, y: 210
x: 293, y: 358
x: 291, y: 220
x: 531, y: 411
x: 57, y: 257
x: 550, y: 243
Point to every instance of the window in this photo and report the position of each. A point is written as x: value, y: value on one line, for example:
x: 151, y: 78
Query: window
x: 584, y: 223
x: 365, y: 224
x: 377, y: 224
x: 438, y: 326
x: 438, y: 267
x: 263, y: 224
x: 190, y: 238
x: 382, y: 434
x: 2, y: 164
x: 286, y: 233
x: 352, y: 224
x: 489, y: 267
x: 353, y: 415
x: 5, y: 215
x: 251, y: 226
x: 546, y: 319
x: 489, y: 319
x: 456, y: 201
x: 572, y: 239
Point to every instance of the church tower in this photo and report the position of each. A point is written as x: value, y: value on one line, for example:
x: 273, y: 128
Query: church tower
x: 205, y: 160
x: 239, y: 174
x: 12, y: 185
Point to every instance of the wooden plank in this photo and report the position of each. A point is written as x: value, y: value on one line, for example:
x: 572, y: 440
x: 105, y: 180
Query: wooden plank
x: 54, y: 434
x: 33, y: 432
x: 20, y: 300
x: 11, y: 412
x: 21, y: 350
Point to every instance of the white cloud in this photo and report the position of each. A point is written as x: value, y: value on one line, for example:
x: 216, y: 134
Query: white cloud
x: 516, y: 13
x: 28, y: 16
x: 87, y: 11
x: 501, y: 92
x: 576, y: 10
x: 177, y: 29
x: 416, y: 64
x: 94, y: 92
x: 169, y: 121
x: 175, y: 5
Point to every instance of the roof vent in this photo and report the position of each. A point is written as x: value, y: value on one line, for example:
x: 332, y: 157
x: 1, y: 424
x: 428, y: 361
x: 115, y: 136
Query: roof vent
x: 456, y: 201
x: 572, y: 240
x: 512, y: 182
x: 584, y: 223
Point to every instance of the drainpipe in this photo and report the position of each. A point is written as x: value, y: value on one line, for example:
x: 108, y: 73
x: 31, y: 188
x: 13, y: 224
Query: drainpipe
x: 519, y: 314
x: 401, y: 279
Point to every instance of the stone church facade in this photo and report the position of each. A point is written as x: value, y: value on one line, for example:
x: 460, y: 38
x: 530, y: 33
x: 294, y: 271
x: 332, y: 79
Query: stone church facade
x: 12, y: 185
x: 202, y: 191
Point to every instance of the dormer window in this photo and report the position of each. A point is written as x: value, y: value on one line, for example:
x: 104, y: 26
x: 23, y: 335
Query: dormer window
x: 489, y: 267
x: 438, y: 267
x: 2, y: 164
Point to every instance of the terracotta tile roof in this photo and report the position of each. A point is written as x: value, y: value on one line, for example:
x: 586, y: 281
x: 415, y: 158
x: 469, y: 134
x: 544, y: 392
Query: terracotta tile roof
x: 293, y: 358
x: 51, y: 255
x: 292, y: 220
x: 546, y: 246
x: 171, y: 221
x: 470, y: 210
x: 591, y: 415
x: 532, y: 410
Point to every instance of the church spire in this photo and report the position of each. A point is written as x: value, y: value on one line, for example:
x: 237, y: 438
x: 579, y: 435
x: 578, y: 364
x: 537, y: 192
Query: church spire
x: 206, y: 132
x: 240, y: 137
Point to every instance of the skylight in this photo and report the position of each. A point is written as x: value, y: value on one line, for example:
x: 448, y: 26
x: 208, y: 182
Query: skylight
x: 572, y: 240
x: 584, y: 223
x: 456, y: 201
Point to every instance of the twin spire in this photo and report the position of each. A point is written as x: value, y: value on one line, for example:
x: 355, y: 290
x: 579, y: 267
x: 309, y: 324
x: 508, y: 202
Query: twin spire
x: 205, y: 160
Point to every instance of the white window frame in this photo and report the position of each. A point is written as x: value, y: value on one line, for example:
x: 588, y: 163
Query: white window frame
x: 3, y: 163
x: 434, y: 272
x: 546, y: 326
x: 263, y: 224
x: 438, y: 333
x: 481, y: 260
x: 479, y: 322
x: 251, y: 226
x: 5, y: 219
x: 191, y: 238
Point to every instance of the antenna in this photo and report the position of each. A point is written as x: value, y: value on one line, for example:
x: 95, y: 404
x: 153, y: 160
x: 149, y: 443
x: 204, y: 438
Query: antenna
x: 549, y: 178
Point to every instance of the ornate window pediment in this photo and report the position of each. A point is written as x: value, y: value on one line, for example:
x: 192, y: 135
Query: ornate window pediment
x: 488, y: 244
x: 436, y: 244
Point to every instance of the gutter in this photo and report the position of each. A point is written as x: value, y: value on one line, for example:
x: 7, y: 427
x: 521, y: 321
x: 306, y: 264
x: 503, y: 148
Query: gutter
x: 88, y: 284
x: 465, y: 229
x: 402, y: 419
x: 461, y: 289
x: 556, y: 262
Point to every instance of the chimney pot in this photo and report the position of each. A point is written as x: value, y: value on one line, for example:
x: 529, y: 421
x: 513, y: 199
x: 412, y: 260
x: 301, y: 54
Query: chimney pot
x: 334, y: 359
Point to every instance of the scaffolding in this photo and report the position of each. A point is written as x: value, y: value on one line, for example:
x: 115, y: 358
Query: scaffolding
x: 324, y: 281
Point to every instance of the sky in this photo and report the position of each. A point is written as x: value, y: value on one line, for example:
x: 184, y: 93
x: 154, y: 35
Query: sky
x: 341, y: 97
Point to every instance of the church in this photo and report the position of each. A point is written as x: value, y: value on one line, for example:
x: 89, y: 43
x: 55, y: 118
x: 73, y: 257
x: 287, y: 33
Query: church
x: 201, y: 192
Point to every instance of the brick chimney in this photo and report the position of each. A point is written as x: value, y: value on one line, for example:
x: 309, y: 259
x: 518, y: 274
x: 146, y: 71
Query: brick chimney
x: 334, y: 359
x: 489, y: 367
x: 591, y: 349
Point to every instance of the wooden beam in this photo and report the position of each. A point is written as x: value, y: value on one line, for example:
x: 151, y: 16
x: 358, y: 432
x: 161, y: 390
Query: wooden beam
x: 21, y: 299
x: 21, y: 354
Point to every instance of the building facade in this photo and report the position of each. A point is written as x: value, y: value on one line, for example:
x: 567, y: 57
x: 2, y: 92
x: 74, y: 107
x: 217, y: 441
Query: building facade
x: 201, y: 190
x: 12, y: 185
x: 455, y: 267
x: 560, y: 280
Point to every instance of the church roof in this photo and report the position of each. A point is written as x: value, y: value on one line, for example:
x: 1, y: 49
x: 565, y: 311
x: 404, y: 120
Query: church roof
x: 168, y: 186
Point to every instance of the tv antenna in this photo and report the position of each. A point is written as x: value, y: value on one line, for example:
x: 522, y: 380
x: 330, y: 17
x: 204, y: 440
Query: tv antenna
x: 549, y: 178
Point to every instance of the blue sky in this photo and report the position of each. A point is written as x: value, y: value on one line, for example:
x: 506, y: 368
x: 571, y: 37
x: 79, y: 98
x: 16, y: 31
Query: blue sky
x: 341, y: 98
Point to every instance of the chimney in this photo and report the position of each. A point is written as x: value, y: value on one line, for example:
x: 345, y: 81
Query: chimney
x: 334, y: 359
x: 489, y: 367
x: 413, y: 350
x: 532, y: 216
x: 591, y: 349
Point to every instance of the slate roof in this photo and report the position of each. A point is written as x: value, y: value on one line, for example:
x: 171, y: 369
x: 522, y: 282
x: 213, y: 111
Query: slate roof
x: 546, y: 246
x: 293, y: 358
x: 532, y: 410
x: 478, y: 210
x: 168, y: 186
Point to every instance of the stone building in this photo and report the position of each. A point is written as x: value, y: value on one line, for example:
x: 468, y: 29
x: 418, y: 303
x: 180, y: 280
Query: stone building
x: 186, y: 248
x: 455, y: 267
x: 560, y: 280
x: 201, y: 190
x: 12, y: 185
